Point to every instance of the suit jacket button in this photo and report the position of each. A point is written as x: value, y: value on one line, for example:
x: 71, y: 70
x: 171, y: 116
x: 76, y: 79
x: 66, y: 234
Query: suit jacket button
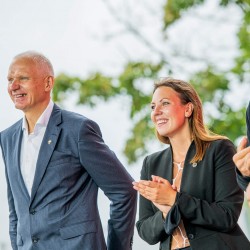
x: 131, y: 241
x: 35, y: 240
x: 191, y: 236
x: 32, y: 211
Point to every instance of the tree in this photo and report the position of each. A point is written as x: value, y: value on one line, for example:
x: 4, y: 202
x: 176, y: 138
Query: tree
x: 211, y: 82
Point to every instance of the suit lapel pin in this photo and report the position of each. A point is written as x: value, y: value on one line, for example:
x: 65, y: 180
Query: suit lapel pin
x: 194, y: 164
x: 49, y: 141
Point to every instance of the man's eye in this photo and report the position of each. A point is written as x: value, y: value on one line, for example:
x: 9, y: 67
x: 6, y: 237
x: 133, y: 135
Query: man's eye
x: 10, y: 80
x: 18, y: 79
x: 24, y: 78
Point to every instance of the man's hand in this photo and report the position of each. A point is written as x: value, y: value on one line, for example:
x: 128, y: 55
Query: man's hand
x: 242, y: 158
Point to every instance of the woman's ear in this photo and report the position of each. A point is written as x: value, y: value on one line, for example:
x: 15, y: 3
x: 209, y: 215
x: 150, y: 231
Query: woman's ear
x: 189, y: 109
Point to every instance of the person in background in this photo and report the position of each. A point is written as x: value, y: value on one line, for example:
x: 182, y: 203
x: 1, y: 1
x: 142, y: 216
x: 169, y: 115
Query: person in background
x: 242, y: 160
x: 189, y: 196
x: 55, y: 162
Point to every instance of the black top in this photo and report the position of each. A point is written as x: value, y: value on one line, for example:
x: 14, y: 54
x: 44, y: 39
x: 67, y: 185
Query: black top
x: 209, y: 201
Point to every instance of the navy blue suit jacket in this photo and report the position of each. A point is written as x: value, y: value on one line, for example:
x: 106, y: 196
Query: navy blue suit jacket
x: 62, y: 211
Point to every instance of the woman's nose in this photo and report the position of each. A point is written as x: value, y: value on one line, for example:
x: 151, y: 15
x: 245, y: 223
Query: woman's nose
x: 157, y: 110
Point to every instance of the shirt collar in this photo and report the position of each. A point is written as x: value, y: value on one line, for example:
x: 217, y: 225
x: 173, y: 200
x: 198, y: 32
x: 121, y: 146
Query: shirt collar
x: 43, y: 119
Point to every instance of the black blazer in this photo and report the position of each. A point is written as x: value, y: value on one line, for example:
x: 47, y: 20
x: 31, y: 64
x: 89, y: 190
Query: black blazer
x: 209, y: 200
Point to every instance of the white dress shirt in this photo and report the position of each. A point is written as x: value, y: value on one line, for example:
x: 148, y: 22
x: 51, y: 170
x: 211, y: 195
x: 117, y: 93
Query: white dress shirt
x: 31, y: 144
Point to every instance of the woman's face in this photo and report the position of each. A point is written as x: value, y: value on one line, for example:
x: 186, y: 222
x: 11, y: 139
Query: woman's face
x: 168, y: 114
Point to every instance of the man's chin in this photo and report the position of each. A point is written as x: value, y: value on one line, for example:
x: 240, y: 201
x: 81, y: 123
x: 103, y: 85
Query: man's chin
x: 18, y: 106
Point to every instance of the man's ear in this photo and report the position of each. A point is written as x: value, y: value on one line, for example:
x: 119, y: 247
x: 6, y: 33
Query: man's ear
x: 189, y: 109
x: 49, y: 83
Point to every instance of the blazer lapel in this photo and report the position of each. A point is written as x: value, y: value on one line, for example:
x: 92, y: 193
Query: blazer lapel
x: 48, y: 144
x: 17, y: 137
x: 166, y: 169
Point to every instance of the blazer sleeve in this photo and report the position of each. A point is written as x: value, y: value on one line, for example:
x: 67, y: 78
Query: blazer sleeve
x: 150, y: 225
x: 110, y: 175
x: 248, y: 123
x: 222, y: 213
x: 12, y: 211
x: 243, y: 181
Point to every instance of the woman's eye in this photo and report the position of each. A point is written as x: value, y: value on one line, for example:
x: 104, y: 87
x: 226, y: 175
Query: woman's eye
x: 165, y: 103
x: 152, y: 107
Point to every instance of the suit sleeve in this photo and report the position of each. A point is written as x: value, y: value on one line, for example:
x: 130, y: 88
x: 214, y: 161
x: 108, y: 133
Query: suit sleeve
x: 243, y: 181
x: 12, y: 211
x: 110, y: 175
x: 223, y: 212
x: 150, y: 225
x: 248, y: 123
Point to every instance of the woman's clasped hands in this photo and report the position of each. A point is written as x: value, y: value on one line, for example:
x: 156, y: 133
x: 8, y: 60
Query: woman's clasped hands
x: 159, y: 191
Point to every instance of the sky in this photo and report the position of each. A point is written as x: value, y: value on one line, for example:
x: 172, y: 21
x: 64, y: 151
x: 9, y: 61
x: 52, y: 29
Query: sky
x: 81, y: 37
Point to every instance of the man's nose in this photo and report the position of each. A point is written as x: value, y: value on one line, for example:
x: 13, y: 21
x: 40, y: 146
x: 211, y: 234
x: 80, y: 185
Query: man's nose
x: 14, y: 84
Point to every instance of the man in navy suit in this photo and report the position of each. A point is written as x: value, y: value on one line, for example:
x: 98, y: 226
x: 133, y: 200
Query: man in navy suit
x: 55, y: 162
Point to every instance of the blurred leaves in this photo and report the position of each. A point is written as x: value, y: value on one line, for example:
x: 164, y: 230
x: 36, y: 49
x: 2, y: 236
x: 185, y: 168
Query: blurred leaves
x: 142, y: 133
x: 174, y: 8
x: 213, y: 88
x: 96, y: 86
x: 134, y: 72
x: 242, y: 62
x: 128, y: 83
x: 208, y: 82
x: 212, y: 85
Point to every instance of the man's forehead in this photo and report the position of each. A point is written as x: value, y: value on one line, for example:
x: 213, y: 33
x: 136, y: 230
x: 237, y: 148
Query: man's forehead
x: 21, y: 65
x: 25, y: 60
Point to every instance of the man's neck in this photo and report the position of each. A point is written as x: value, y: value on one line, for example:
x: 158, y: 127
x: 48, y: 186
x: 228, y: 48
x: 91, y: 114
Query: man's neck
x: 33, y: 116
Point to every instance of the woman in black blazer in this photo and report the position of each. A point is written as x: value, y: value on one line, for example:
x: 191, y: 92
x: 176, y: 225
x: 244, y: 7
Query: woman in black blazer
x: 189, y: 197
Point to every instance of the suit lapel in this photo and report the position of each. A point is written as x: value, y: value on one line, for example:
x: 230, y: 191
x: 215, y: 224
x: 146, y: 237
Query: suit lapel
x: 47, y: 147
x: 17, y: 137
x: 166, y: 164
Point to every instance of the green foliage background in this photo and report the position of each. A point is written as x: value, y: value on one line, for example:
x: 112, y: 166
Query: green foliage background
x: 211, y: 83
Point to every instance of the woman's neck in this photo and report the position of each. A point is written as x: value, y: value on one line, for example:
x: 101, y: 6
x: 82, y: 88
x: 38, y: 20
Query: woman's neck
x: 180, y: 148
